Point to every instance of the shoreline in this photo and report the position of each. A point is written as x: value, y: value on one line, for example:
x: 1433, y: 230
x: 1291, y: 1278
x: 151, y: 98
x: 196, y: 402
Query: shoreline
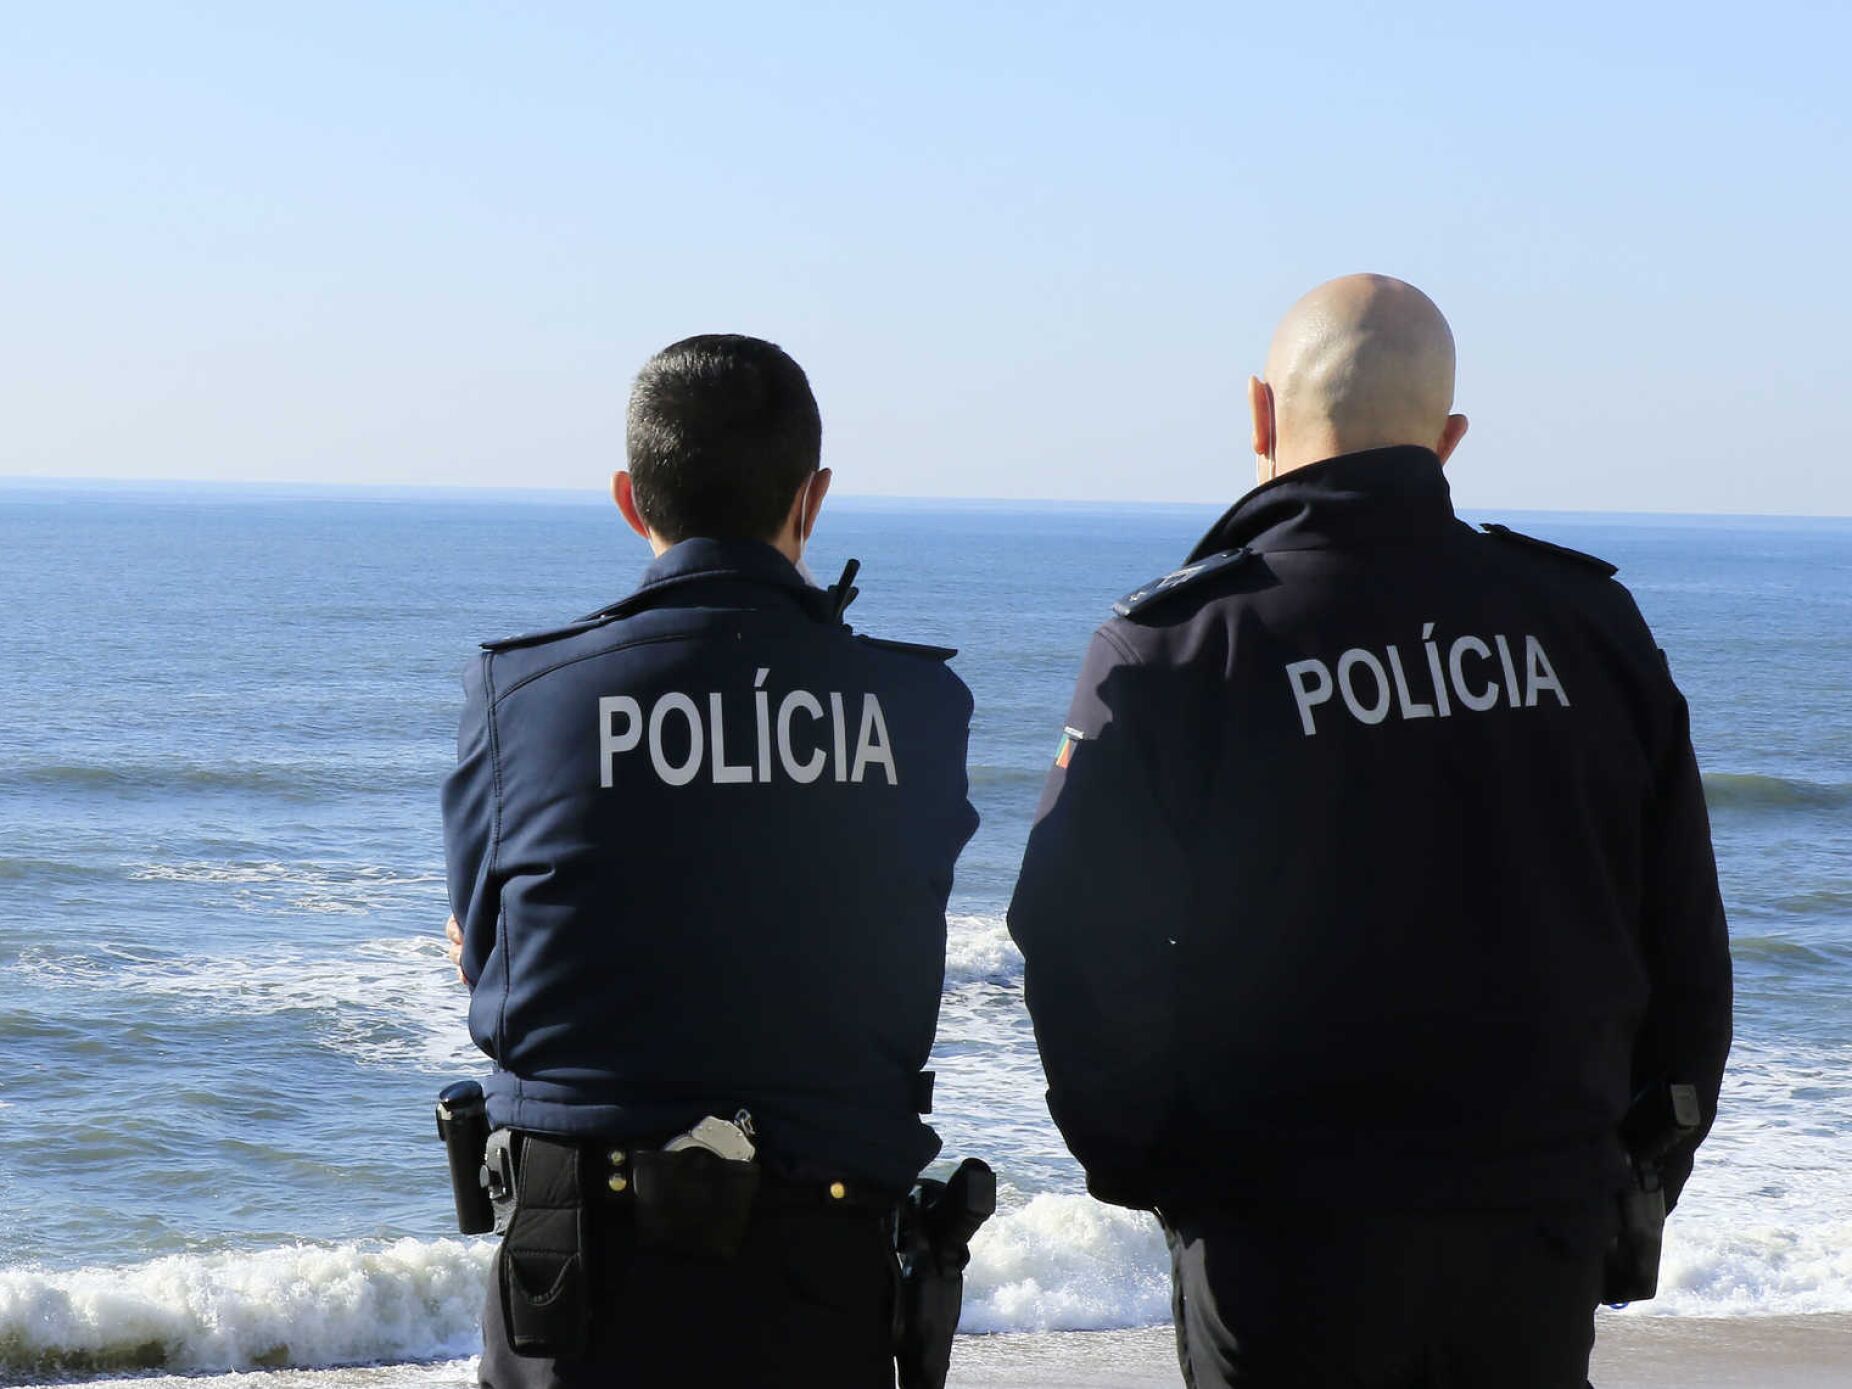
x: 1630, y: 1352
x: 1812, y: 1351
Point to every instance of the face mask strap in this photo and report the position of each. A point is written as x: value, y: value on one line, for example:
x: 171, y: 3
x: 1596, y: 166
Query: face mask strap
x: 806, y: 519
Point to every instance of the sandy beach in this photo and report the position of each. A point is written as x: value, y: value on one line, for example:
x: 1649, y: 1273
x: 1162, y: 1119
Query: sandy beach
x: 1799, y: 1352
x: 1631, y: 1353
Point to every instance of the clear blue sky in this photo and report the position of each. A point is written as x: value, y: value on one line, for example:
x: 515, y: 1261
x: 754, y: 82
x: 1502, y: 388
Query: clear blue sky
x: 1023, y: 250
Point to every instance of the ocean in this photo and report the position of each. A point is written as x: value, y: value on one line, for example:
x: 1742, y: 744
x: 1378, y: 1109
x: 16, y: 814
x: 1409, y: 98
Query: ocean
x: 225, y: 1011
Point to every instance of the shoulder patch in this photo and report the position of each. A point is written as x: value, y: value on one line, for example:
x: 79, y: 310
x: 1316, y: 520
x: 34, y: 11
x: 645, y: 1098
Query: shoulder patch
x: 1144, y: 596
x: 911, y: 648
x: 1498, y: 532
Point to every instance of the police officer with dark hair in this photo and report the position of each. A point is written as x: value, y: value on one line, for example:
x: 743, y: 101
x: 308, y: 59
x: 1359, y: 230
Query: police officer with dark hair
x: 1372, y: 884
x: 700, y: 844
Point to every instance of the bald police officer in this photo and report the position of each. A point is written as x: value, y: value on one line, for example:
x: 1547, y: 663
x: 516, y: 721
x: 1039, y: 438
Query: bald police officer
x: 1372, y: 882
x: 700, y: 845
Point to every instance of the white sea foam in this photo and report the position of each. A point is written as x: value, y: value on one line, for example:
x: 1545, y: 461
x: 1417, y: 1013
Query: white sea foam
x: 1051, y: 1262
x: 1064, y: 1262
x: 388, y: 1002
x: 336, y: 1305
x: 978, y: 950
x: 1753, y: 1271
x: 323, y: 888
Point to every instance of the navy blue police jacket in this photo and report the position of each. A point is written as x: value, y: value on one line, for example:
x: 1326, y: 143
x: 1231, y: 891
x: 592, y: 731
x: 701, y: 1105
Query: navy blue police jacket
x: 1374, y: 868
x: 700, y: 845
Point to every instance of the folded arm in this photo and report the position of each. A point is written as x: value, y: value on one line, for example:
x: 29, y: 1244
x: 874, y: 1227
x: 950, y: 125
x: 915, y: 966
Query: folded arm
x: 472, y: 825
x: 1104, y: 891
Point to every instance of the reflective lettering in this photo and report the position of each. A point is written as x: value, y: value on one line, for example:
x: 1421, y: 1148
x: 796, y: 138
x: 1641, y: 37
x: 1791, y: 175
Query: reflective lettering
x: 611, y: 742
x: 782, y: 748
x: 1440, y: 683
x: 803, y: 773
x: 839, y: 735
x: 724, y: 774
x: 871, y: 743
x: 1311, y: 682
x: 1347, y: 663
x: 672, y: 773
x: 1410, y: 708
x: 1456, y: 660
x: 762, y: 722
x: 1455, y: 686
x: 1511, y: 671
x: 1539, y: 675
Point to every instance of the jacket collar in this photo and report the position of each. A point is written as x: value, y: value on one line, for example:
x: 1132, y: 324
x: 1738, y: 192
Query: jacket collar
x: 1378, y: 494
x: 706, y: 561
x: 752, y: 560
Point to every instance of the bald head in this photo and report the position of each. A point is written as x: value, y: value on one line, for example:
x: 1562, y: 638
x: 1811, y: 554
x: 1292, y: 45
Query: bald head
x: 1361, y: 362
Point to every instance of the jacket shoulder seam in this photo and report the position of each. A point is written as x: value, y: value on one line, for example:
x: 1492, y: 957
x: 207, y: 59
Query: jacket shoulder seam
x: 1113, y: 639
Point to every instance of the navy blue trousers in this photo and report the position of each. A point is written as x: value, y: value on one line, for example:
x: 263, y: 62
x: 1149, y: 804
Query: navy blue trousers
x: 1286, y: 1297
x: 808, y: 1301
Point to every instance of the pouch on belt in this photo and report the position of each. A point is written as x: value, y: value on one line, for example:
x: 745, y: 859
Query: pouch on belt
x: 542, y: 1269
x: 693, y: 1202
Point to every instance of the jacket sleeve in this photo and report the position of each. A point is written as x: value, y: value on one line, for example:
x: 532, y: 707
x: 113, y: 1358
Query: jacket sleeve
x: 472, y: 823
x: 1685, y: 1037
x: 1103, y: 889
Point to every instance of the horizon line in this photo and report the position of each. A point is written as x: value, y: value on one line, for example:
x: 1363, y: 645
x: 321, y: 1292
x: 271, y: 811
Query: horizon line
x: 515, y: 491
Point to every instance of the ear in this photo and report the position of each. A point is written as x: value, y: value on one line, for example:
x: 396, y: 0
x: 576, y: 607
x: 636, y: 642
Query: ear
x: 1260, y: 407
x: 623, y: 492
x: 810, y: 502
x: 1450, y: 435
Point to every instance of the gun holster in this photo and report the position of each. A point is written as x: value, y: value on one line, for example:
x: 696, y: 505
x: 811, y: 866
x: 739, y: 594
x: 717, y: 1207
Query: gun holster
x: 543, y: 1268
x: 1661, y: 1117
x: 933, y: 1241
x: 693, y: 1202
x: 932, y: 1294
x: 1630, y: 1272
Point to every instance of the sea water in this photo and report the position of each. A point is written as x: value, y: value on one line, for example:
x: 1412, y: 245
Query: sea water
x: 224, y: 1007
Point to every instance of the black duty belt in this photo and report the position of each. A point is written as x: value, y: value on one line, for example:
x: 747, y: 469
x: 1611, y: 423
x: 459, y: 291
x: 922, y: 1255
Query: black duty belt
x: 607, y: 1171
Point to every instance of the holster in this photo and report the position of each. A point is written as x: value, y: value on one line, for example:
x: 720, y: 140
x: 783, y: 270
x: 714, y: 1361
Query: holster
x: 1630, y: 1272
x: 932, y: 1293
x: 692, y: 1202
x: 543, y: 1268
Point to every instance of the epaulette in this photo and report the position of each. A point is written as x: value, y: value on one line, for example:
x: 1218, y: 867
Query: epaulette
x: 584, y: 624
x: 622, y: 608
x: 912, y: 648
x: 1143, y: 597
x: 1498, y: 532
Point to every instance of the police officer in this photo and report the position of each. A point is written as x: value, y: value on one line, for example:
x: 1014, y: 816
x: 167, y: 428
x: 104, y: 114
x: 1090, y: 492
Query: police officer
x: 699, y: 848
x: 1372, y: 882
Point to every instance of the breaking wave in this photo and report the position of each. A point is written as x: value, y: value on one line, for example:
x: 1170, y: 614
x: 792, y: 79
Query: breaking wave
x: 1055, y: 1262
x: 301, y: 1306
x: 978, y: 950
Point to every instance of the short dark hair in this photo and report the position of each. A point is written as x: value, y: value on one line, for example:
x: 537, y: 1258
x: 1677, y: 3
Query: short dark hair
x: 722, y: 431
